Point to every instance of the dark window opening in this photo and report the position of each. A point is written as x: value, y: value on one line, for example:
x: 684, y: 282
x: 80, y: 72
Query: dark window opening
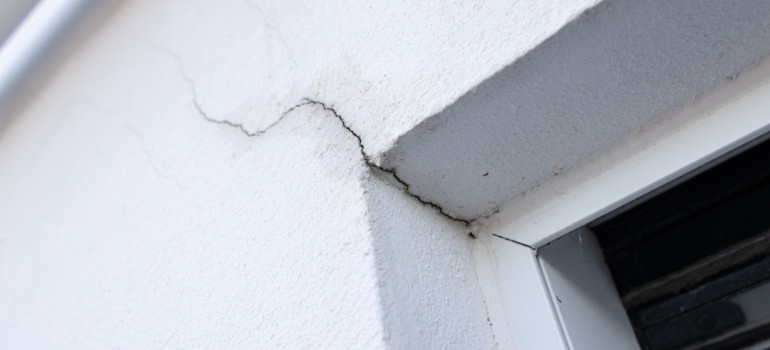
x: 691, y: 261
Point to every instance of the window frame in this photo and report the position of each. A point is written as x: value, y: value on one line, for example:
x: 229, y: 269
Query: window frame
x: 526, y: 291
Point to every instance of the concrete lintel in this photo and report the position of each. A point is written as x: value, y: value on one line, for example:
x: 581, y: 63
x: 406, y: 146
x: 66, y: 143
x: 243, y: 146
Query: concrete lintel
x: 611, y: 71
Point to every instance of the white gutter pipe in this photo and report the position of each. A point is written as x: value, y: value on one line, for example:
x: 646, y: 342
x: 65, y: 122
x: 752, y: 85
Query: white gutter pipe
x: 33, y: 40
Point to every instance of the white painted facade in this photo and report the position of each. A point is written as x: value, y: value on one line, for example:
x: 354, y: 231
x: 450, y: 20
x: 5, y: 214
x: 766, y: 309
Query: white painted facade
x: 237, y: 174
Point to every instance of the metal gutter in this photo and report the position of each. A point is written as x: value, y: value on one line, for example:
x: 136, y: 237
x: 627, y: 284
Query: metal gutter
x: 33, y: 41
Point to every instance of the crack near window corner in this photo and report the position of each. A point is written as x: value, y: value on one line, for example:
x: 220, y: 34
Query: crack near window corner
x: 369, y: 163
x: 304, y: 102
x: 515, y: 241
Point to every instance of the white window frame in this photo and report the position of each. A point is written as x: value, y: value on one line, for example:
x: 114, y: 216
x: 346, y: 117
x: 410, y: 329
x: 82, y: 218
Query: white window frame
x: 527, y: 289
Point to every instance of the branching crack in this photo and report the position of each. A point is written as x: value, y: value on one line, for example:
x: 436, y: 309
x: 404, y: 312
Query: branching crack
x: 306, y: 101
x: 515, y: 241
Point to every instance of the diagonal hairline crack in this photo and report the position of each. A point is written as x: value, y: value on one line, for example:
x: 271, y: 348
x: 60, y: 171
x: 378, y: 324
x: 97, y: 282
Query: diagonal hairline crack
x: 268, y: 24
x: 304, y: 102
x: 515, y: 241
x: 191, y: 84
x: 258, y: 10
x: 150, y: 158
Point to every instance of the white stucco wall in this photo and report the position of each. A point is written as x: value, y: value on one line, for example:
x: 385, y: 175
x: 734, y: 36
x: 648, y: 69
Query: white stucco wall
x: 385, y: 65
x: 426, y: 273
x: 209, y: 174
x: 130, y: 215
x: 142, y: 225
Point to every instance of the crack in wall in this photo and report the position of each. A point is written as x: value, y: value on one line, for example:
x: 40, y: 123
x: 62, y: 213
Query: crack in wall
x: 365, y: 157
x: 305, y: 102
x: 258, y: 9
x: 191, y: 84
x: 150, y: 159
x: 515, y: 241
x: 367, y: 160
x: 268, y: 24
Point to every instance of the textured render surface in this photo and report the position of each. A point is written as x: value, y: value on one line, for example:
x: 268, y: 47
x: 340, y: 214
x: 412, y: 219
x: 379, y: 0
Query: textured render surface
x: 721, y: 120
x: 611, y: 71
x: 131, y: 217
x: 385, y: 65
x: 141, y: 225
x: 429, y: 289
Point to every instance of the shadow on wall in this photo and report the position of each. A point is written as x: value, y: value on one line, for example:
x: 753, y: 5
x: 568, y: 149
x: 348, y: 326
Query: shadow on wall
x: 614, y: 69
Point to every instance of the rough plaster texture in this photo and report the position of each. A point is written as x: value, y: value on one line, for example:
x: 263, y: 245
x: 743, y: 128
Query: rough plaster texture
x: 145, y: 226
x: 426, y: 273
x: 129, y: 219
x: 613, y: 70
x: 385, y: 65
